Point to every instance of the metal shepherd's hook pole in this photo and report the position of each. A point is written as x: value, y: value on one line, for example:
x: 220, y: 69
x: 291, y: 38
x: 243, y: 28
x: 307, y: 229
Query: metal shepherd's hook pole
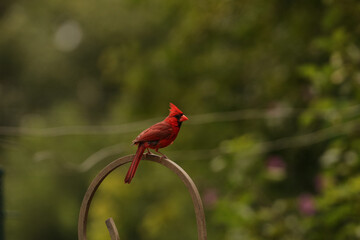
x: 195, y: 196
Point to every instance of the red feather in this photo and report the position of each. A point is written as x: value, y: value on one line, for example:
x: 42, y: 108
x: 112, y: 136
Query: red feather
x: 158, y: 131
x: 159, y: 135
x: 135, y: 163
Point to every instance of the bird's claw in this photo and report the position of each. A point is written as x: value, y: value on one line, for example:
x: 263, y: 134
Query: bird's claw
x: 148, y: 153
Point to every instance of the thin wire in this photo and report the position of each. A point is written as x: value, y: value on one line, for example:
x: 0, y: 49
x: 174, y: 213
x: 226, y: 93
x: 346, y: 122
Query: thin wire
x: 75, y: 130
x: 262, y: 147
x: 312, y: 138
x: 195, y: 119
x: 98, y: 156
x: 282, y: 143
x: 116, y: 149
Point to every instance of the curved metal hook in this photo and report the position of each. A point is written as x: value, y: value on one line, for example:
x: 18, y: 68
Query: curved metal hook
x: 195, y: 196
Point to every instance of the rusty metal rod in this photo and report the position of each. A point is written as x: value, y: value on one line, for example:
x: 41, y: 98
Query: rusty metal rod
x: 194, y: 193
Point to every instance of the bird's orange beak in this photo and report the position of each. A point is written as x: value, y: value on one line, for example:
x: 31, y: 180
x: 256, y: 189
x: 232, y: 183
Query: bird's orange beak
x: 183, y: 118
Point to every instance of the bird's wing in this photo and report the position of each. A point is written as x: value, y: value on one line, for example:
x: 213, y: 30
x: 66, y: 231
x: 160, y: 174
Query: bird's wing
x: 159, y: 131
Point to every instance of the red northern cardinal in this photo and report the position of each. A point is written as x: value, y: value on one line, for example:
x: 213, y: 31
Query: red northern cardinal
x: 157, y: 136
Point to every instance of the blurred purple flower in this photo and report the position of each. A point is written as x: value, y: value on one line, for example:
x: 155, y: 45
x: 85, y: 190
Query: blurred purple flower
x: 276, y: 168
x: 319, y: 183
x: 306, y: 204
x: 211, y: 197
x: 275, y: 162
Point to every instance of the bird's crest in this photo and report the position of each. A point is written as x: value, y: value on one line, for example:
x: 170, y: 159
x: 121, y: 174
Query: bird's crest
x: 174, y: 110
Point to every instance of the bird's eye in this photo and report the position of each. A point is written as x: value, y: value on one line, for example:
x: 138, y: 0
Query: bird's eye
x: 178, y: 116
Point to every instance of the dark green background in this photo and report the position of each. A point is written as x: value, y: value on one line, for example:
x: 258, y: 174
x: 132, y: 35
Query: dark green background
x: 271, y: 89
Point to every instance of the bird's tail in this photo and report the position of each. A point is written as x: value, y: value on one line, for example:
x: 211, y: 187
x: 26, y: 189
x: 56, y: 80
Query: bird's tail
x: 135, y: 163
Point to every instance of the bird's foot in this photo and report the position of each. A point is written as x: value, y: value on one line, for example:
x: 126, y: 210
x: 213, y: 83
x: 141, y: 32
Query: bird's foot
x: 163, y: 156
x: 148, y: 152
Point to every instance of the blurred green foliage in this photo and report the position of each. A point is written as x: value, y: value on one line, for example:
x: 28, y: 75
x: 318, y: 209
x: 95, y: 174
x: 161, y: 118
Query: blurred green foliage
x: 281, y: 162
